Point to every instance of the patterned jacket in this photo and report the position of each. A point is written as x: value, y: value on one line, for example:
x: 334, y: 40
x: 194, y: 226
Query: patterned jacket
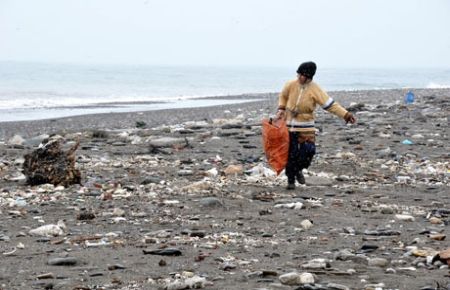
x: 300, y: 101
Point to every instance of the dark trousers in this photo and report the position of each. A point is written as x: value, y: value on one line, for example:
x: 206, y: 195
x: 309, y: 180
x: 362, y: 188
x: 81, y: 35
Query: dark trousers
x: 301, y: 153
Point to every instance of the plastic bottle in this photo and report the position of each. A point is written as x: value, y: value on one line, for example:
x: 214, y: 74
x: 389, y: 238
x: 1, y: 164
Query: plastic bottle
x: 409, y: 98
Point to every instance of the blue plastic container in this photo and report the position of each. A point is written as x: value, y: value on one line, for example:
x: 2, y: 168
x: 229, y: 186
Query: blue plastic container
x: 409, y: 98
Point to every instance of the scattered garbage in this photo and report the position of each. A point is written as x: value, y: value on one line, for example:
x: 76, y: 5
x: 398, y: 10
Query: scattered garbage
x: 199, y: 207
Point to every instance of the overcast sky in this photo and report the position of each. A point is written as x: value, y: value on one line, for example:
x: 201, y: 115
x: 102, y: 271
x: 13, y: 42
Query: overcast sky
x: 344, y: 33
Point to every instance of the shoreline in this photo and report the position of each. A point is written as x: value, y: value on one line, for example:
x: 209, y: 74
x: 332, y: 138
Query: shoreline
x: 153, y: 118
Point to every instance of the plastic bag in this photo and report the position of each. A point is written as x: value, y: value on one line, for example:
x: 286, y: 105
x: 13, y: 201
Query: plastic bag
x: 276, y: 143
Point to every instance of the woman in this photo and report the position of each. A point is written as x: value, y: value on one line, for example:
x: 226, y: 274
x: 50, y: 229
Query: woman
x: 297, y: 102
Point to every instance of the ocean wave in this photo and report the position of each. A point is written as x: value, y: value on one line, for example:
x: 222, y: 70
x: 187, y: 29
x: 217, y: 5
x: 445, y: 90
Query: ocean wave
x: 437, y: 86
x: 17, y: 101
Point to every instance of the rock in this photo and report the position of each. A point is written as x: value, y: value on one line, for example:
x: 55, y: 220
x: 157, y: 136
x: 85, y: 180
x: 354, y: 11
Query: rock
x: 292, y: 278
x: 377, y: 262
x: 436, y: 221
x: 68, y: 261
x: 45, y: 276
x: 445, y: 256
x: 356, y: 107
x: 234, y: 170
x: 382, y: 232
x: 116, y: 267
x: 151, y: 179
x: 438, y: 237
x: 306, y: 278
x: 210, y: 202
x: 306, y: 224
x: 368, y: 248
x: 163, y: 252
x: 118, y: 212
x: 387, y: 210
x: 85, y: 215
x: 344, y: 255
x: 96, y: 274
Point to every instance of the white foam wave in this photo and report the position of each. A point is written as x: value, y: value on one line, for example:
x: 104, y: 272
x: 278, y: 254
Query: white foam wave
x: 437, y: 86
x: 45, y: 101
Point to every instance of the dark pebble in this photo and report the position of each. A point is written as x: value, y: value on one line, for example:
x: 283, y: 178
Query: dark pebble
x: 163, y: 252
x: 69, y: 261
x: 116, y: 267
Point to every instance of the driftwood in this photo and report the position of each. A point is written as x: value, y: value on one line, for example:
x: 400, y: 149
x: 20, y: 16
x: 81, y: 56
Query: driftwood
x: 51, y: 164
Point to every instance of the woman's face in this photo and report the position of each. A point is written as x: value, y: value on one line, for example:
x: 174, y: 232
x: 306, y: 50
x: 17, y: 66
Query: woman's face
x: 301, y: 79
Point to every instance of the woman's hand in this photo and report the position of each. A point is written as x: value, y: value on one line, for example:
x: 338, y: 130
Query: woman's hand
x: 281, y: 114
x: 349, y: 118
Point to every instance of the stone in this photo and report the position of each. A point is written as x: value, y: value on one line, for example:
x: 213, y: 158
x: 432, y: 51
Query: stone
x: 387, y: 210
x: 46, y: 276
x: 436, y: 221
x: 438, y: 237
x: 163, y: 252
x: 306, y: 224
x: 307, y: 278
x: 292, y: 278
x: 68, y: 261
x: 234, y: 170
x: 116, y: 267
x: 377, y: 262
x: 210, y: 202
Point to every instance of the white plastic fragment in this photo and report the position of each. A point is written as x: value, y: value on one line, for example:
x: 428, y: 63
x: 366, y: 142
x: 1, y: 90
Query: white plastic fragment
x: 50, y: 230
x: 405, y: 217
x: 195, y: 282
x: 292, y: 205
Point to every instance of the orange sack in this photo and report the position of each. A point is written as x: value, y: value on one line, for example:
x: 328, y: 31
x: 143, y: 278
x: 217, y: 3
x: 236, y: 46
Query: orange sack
x: 276, y: 143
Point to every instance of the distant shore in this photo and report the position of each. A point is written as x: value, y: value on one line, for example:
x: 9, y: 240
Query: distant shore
x: 152, y: 118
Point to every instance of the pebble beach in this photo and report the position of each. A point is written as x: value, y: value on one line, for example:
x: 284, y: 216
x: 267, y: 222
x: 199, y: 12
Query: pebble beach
x: 184, y: 199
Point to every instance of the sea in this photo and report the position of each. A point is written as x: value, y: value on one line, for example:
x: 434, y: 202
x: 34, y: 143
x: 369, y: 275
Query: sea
x: 33, y: 91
